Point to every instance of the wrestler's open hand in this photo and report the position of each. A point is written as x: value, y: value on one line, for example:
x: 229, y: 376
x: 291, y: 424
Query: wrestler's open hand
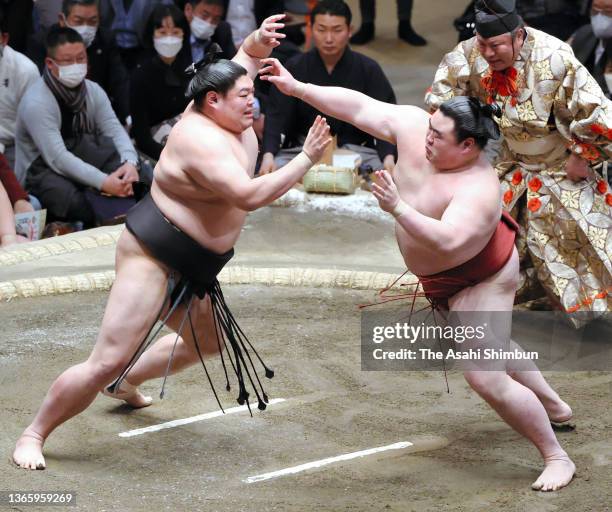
x: 274, y: 72
x: 385, y: 190
x: 317, y: 139
x: 267, y: 34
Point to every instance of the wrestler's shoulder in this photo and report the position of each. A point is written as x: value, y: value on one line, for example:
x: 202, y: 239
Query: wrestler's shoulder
x: 191, y: 129
x: 410, y: 116
x: 413, y: 112
x: 481, y: 181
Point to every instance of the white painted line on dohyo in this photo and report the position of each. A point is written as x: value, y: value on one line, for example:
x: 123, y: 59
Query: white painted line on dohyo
x: 325, y: 462
x: 193, y: 419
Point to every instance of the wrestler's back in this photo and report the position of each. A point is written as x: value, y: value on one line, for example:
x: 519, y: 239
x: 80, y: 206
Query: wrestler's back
x: 430, y: 192
x: 202, y: 214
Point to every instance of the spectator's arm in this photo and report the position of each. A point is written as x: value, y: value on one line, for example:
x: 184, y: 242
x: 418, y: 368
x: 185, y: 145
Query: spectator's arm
x: 141, y: 124
x: 10, y: 183
x: 452, y: 76
x: 8, y: 235
x: 106, y: 123
x: 43, y: 127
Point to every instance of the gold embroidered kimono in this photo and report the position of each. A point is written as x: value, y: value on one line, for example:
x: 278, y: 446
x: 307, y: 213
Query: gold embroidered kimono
x: 565, y: 241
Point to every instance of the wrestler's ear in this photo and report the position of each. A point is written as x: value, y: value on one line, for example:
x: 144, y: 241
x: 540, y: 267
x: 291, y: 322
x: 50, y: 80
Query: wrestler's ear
x: 468, y: 144
x: 212, y: 98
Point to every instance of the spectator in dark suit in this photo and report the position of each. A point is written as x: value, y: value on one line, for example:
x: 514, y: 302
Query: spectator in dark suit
x: 331, y: 63
x: 105, y: 64
x: 592, y: 44
x: 206, y: 26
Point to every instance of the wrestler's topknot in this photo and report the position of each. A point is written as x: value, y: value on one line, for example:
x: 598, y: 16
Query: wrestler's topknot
x: 473, y: 118
x: 212, y: 74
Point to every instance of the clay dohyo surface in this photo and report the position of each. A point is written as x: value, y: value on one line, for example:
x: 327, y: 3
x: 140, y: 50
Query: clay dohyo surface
x: 464, y: 458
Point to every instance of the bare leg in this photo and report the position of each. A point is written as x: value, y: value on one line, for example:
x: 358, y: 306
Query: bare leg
x: 134, y: 301
x: 530, y: 376
x: 516, y: 404
x: 153, y: 364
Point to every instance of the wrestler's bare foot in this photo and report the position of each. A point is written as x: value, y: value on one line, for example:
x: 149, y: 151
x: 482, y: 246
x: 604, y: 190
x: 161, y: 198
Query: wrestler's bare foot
x: 28, y: 451
x: 130, y: 394
x: 558, y: 473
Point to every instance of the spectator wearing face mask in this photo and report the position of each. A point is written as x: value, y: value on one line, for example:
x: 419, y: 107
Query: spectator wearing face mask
x: 127, y: 21
x: 157, y: 90
x: 206, y: 26
x: 68, y: 139
x: 592, y: 44
x: 105, y: 66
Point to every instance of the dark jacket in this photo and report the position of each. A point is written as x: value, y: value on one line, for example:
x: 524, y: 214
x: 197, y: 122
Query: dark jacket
x: 291, y: 117
x: 157, y: 93
x: 222, y: 36
x: 584, y: 44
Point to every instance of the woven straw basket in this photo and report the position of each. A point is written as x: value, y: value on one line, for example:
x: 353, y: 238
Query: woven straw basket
x: 330, y: 180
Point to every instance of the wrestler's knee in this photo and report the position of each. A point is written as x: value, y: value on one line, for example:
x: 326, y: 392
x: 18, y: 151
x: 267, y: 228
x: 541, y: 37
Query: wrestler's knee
x: 487, y: 384
x: 99, y: 373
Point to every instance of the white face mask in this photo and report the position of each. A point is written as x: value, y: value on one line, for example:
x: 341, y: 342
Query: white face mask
x: 72, y: 75
x: 602, y: 25
x: 87, y: 32
x: 168, y: 46
x: 201, y: 29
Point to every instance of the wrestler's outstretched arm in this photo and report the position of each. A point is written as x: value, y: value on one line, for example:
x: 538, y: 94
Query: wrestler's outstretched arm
x: 209, y: 162
x: 471, y: 212
x: 259, y: 44
x: 379, y: 119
